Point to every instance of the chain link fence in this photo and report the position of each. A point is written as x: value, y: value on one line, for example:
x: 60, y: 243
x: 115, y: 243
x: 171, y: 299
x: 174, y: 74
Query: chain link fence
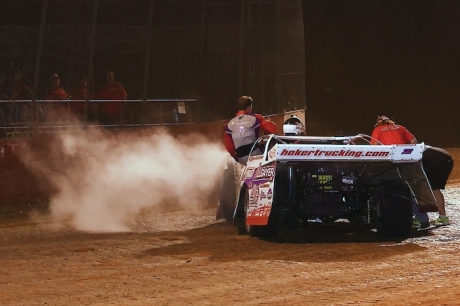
x: 203, y: 53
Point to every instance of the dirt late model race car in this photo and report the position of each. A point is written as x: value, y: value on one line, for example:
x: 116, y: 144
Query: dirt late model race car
x: 300, y: 179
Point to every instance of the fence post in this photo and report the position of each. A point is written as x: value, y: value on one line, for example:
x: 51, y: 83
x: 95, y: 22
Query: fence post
x: 37, y: 65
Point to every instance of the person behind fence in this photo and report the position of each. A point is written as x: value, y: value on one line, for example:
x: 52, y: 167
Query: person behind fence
x: 56, y: 110
x: 19, y: 91
x: 111, y: 112
x: 4, y: 102
x: 79, y: 91
x: 242, y: 131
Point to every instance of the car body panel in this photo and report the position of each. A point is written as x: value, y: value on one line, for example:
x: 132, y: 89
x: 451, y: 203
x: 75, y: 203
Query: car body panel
x: 329, y: 165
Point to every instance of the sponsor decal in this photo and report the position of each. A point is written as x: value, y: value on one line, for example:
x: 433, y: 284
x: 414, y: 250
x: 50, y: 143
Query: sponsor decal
x: 259, y: 212
x: 262, y: 195
x: 269, y: 194
x: 264, y: 173
x: 249, y: 173
x: 324, y: 179
x: 335, y: 153
x: 407, y: 151
x: 254, y: 195
x: 243, y: 132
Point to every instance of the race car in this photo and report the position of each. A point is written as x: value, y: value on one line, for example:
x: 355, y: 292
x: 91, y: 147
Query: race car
x: 301, y: 179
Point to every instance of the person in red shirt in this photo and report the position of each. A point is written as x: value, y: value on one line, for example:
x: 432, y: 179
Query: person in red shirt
x: 242, y: 131
x: 387, y: 132
x: 436, y: 162
x: 79, y: 92
x: 111, y: 111
x: 19, y: 91
x: 56, y: 110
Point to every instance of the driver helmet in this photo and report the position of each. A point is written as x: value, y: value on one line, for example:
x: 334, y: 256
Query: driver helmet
x: 293, y: 126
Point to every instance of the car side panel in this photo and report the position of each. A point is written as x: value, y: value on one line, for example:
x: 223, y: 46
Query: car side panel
x: 260, y: 182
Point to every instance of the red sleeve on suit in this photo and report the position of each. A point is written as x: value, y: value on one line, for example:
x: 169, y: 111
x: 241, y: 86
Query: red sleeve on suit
x: 267, y: 126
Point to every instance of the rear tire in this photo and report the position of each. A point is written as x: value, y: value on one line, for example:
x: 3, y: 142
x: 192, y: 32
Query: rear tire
x: 394, y: 211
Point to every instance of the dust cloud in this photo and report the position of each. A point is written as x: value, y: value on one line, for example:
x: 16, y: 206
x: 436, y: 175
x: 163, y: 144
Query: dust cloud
x: 101, y: 181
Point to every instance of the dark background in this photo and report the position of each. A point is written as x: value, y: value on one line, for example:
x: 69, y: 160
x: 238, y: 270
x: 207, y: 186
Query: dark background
x: 393, y: 58
x: 211, y: 51
x: 345, y: 61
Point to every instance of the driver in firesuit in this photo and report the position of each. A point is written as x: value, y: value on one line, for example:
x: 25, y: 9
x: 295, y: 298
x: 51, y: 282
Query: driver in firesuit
x: 242, y: 131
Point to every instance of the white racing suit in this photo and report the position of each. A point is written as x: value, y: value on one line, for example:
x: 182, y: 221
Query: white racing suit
x: 244, y: 130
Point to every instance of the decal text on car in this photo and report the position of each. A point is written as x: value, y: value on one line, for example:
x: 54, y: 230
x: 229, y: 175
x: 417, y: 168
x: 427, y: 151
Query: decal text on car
x: 347, y: 153
x: 264, y: 172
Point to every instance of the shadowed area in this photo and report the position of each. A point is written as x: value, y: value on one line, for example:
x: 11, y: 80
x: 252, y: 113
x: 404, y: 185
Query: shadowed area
x: 314, y: 244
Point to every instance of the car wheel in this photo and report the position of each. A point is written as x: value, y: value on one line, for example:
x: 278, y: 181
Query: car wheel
x: 394, y: 211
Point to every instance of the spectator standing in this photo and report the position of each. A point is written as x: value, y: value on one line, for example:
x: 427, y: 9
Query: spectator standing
x: 4, y: 92
x: 242, y: 131
x: 56, y: 110
x: 79, y: 91
x: 4, y: 104
x: 20, y: 91
x: 111, y: 111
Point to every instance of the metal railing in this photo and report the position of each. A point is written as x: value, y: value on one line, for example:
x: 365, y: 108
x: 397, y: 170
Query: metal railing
x: 19, y: 117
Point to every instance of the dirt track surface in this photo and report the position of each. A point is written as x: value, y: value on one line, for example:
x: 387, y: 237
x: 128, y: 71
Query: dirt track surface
x: 188, y: 258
